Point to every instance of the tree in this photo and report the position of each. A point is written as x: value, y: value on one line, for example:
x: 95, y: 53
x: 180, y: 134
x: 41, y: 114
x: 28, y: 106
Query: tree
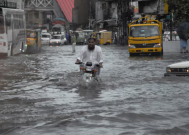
x: 180, y: 9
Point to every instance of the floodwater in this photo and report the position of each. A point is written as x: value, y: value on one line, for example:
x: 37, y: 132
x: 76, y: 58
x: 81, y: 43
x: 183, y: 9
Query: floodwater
x: 40, y: 94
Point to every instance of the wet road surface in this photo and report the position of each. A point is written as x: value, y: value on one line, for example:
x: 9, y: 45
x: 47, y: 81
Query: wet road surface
x: 40, y: 94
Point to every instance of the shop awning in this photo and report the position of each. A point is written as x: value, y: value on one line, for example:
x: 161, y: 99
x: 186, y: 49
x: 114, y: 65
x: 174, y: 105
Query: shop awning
x: 66, y: 7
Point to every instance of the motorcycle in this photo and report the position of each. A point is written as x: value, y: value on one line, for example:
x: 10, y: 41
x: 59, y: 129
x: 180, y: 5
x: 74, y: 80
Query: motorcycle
x: 89, y: 71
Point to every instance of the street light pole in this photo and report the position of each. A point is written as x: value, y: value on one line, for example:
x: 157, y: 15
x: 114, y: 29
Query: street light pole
x: 171, y: 26
x: 89, y: 14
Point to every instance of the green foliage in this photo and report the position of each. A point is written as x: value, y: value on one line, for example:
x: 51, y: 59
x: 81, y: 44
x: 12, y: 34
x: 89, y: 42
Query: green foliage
x: 180, y: 8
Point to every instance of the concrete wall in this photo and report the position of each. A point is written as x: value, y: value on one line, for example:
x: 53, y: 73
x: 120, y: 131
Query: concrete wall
x: 172, y: 46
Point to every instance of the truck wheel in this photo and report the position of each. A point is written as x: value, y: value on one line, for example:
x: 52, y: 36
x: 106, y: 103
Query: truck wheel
x: 162, y: 52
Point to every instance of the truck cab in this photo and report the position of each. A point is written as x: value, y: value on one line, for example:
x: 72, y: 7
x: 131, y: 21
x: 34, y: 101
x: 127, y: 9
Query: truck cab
x: 145, y: 37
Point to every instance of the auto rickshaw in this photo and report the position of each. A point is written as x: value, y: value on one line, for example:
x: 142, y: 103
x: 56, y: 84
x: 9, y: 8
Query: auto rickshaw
x: 33, y: 41
x: 88, y: 34
x: 80, y: 38
x: 103, y: 38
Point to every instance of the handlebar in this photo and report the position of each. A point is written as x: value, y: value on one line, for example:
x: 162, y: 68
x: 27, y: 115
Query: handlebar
x: 79, y: 63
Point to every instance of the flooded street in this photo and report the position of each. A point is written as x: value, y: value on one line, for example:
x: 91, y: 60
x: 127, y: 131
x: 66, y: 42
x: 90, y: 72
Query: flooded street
x: 40, y: 94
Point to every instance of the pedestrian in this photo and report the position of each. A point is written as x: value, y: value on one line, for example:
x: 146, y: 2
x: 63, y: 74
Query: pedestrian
x: 70, y: 37
x: 184, y: 44
x: 183, y: 32
x: 115, y: 39
x: 73, y: 42
x: 67, y: 38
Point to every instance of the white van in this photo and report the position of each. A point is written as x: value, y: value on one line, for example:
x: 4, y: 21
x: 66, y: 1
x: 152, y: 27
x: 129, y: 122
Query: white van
x: 45, y: 38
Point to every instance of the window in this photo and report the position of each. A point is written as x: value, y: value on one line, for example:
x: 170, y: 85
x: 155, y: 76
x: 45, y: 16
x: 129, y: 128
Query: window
x: 56, y: 29
x: 103, y: 6
x: 8, y: 21
x: 2, y: 30
x: 45, y: 36
x: 56, y: 37
x: 36, y: 15
x: 144, y: 31
x: 18, y: 20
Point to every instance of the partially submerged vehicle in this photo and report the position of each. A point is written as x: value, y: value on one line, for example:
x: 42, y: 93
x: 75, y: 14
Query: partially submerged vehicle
x: 178, y: 69
x: 104, y: 38
x: 57, y: 40
x: 45, y: 38
x: 33, y: 41
x: 87, y: 34
x: 80, y: 38
x: 145, y: 37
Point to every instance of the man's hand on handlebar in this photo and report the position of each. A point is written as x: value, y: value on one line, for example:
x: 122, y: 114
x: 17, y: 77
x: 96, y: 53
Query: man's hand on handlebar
x: 100, y: 64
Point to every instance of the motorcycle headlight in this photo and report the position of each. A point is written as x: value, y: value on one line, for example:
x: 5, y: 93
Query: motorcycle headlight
x: 132, y: 46
x: 157, y: 45
x: 168, y: 70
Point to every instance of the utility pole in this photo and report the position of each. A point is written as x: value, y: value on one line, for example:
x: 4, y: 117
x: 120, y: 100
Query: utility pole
x: 89, y: 14
x: 171, y: 23
x: 171, y: 26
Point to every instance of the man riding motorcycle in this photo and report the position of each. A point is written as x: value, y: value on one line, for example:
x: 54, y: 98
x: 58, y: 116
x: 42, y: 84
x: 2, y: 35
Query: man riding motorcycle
x: 91, y: 53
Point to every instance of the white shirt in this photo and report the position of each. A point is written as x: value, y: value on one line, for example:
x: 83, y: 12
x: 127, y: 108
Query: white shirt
x: 94, y: 56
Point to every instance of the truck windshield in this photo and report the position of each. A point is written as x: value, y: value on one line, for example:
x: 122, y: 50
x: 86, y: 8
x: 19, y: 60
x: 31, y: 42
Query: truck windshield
x: 144, y: 31
x: 2, y: 30
x: 56, y: 29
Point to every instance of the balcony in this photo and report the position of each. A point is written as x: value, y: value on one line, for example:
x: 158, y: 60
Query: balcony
x: 30, y: 4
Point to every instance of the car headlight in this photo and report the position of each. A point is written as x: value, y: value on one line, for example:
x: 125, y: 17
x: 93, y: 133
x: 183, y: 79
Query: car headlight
x: 57, y: 41
x: 188, y: 70
x: 132, y: 46
x: 157, y: 45
x: 168, y: 70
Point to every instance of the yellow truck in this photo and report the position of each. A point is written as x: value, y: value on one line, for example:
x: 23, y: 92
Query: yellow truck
x: 145, y: 37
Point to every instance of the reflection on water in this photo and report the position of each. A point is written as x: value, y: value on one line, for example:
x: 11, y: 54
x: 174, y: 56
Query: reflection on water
x: 43, y: 94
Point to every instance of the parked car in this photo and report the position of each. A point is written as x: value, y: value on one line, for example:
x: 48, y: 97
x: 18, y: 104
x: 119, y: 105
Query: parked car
x: 57, y: 40
x: 178, y: 69
x: 45, y: 38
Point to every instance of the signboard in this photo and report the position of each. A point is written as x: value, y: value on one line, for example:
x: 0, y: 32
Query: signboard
x: 6, y: 4
x: 150, y: 7
x: 58, y: 22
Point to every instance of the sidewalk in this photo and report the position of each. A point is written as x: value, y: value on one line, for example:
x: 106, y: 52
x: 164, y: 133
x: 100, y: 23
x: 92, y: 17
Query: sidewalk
x: 172, y: 46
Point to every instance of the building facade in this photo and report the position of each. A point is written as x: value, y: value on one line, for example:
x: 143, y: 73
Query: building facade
x: 39, y: 12
x: 80, y: 13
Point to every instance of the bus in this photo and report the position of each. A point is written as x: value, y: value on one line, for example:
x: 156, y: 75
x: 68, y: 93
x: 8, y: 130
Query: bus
x: 12, y: 31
